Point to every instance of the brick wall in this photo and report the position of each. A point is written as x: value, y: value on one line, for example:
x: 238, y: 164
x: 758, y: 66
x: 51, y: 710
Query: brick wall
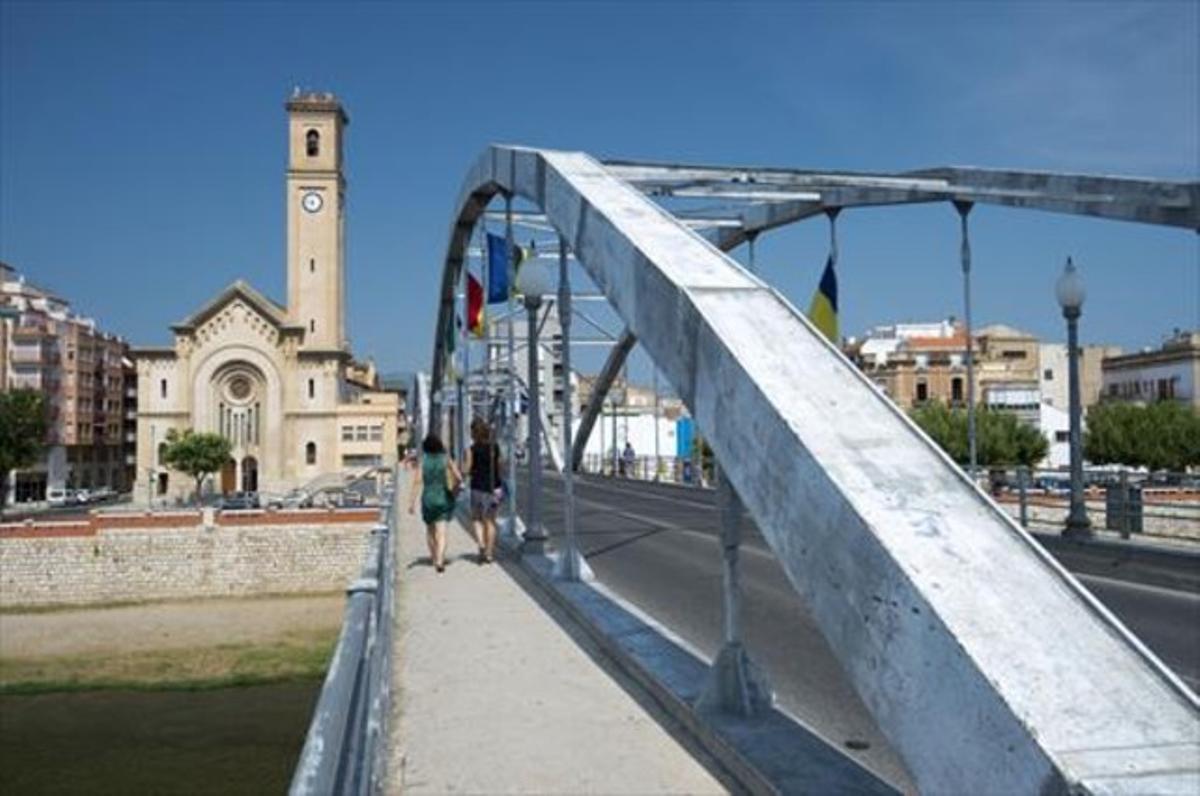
x: 119, y: 558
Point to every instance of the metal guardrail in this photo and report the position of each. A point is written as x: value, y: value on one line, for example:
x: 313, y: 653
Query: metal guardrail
x: 345, y: 751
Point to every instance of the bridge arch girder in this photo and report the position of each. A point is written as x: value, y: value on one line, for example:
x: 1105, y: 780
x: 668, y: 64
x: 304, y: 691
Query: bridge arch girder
x: 985, y: 663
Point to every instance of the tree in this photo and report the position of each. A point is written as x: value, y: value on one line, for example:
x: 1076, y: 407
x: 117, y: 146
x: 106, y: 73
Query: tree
x: 1001, y: 439
x: 1160, y: 436
x: 23, y: 426
x: 197, y: 454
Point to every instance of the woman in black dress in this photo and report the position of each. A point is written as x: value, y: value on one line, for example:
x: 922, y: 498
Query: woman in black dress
x: 483, y: 468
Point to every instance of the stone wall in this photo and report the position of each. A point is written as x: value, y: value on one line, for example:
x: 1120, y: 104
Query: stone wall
x: 135, y: 557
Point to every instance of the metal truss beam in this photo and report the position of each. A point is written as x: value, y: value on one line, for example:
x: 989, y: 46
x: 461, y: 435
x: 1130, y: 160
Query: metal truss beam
x: 604, y: 380
x: 1161, y: 202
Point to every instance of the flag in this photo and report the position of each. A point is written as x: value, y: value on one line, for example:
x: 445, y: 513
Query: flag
x: 450, y: 333
x: 497, y: 260
x: 823, y: 311
x: 449, y: 338
x: 474, y: 306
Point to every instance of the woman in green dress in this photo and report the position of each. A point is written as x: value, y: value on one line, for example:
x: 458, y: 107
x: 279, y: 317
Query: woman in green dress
x: 434, y: 477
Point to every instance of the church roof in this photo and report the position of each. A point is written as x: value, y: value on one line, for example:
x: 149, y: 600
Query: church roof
x: 274, y: 312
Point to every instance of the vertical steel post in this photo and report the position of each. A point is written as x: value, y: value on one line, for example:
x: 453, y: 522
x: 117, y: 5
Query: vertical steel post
x: 1023, y: 494
x: 570, y: 564
x: 615, y: 453
x: 464, y: 379
x: 486, y: 365
x: 735, y: 684
x: 964, y: 208
x: 1124, y: 522
x: 1078, y: 524
x: 511, y: 399
x: 657, y: 415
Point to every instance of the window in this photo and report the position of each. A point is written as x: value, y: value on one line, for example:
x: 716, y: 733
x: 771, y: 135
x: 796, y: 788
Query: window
x: 1062, y: 436
x: 312, y: 389
x: 312, y: 266
x: 347, y: 433
x: 162, y: 452
x: 922, y: 392
x: 310, y: 453
x: 312, y: 143
x: 312, y: 325
x: 956, y: 390
x: 376, y: 433
x: 360, y: 433
x: 1012, y: 354
x: 1048, y: 374
x: 162, y: 388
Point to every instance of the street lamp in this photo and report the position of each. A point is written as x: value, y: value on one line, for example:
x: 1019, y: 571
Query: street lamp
x: 535, y: 280
x: 1070, y: 293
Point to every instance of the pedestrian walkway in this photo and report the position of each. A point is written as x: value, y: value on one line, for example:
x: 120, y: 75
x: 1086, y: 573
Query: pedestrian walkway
x: 492, y: 695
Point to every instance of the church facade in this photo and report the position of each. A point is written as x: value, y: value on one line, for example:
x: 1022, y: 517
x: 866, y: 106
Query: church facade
x: 279, y: 382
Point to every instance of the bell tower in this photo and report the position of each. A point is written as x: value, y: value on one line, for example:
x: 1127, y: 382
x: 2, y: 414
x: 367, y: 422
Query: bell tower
x: 315, y: 200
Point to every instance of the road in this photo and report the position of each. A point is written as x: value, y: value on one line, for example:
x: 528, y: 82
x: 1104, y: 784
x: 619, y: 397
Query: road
x: 658, y: 546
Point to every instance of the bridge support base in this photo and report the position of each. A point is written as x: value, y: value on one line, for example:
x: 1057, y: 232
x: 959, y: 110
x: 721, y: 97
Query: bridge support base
x: 570, y: 565
x: 736, y: 685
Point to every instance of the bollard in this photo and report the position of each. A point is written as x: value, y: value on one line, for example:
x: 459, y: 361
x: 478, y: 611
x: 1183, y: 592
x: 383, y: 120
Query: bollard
x: 1023, y: 494
x: 1125, y: 501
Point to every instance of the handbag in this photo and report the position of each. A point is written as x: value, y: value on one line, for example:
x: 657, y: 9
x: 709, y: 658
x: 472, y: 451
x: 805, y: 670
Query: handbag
x: 453, y: 484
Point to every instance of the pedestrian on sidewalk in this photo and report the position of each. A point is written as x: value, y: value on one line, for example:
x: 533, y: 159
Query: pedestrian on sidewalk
x: 437, y: 480
x: 483, y: 466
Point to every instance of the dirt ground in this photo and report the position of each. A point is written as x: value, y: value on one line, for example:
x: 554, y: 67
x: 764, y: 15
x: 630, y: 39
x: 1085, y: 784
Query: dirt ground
x: 164, y: 626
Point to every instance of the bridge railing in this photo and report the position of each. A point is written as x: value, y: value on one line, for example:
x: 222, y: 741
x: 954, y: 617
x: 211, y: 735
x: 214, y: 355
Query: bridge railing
x: 345, y: 751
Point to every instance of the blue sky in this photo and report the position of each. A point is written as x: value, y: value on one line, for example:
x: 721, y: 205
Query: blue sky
x: 142, y: 145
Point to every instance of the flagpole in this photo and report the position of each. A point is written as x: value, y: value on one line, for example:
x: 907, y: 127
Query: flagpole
x: 485, y: 271
x: 511, y: 414
x: 465, y: 361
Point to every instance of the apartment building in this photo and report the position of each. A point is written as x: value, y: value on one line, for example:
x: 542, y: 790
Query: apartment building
x: 1168, y: 373
x: 48, y: 348
x: 918, y: 363
x: 1054, y: 373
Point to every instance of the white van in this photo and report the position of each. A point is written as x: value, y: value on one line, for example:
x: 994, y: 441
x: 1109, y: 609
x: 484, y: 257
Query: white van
x: 60, y: 497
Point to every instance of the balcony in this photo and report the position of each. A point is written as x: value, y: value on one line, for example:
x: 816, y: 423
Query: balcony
x: 32, y: 356
x: 30, y: 331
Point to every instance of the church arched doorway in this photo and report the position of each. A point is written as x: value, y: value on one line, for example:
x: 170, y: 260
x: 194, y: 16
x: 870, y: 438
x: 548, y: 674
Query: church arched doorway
x: 229, y: 477
x: 249, y: 474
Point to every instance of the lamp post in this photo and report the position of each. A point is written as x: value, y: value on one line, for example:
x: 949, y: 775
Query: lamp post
x: 570, y: 564
x: 536, y: 280
x: 1070, y: 293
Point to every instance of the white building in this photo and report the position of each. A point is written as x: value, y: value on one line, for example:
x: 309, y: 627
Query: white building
x: 1170, y: 373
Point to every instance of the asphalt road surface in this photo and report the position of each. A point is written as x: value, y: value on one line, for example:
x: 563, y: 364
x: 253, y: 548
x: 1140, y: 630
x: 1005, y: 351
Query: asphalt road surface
x: 659, y: 547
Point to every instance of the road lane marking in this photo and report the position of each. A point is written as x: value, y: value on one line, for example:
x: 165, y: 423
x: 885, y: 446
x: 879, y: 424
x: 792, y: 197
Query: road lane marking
x: 1132, y: 586
x: 668, y: 526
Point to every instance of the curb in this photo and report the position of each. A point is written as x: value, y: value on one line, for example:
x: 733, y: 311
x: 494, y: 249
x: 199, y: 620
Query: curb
x: 770, y: 754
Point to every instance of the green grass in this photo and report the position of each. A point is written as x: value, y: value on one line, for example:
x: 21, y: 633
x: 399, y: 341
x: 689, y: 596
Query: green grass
x: 294, y: 657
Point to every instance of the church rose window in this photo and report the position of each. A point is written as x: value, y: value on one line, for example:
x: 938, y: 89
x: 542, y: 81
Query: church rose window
x: 239, y: 387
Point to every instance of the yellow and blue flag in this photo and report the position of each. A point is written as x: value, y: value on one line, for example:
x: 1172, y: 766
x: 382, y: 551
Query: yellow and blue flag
x: 823, y: 311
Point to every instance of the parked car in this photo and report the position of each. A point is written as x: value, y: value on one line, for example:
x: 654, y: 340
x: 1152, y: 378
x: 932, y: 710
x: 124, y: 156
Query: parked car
x: 57, y: 497
x: 83, y: 496
x: 238, y: 500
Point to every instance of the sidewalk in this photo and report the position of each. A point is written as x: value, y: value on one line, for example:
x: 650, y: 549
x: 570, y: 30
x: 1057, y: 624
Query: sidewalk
x: 493, y: 696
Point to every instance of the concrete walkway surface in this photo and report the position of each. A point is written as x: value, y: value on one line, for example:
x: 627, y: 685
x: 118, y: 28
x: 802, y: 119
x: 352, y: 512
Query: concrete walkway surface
x: 492, y: 695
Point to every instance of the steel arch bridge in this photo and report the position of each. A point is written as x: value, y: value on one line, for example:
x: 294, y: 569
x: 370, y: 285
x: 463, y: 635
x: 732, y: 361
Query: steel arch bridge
x: 909, y: 569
